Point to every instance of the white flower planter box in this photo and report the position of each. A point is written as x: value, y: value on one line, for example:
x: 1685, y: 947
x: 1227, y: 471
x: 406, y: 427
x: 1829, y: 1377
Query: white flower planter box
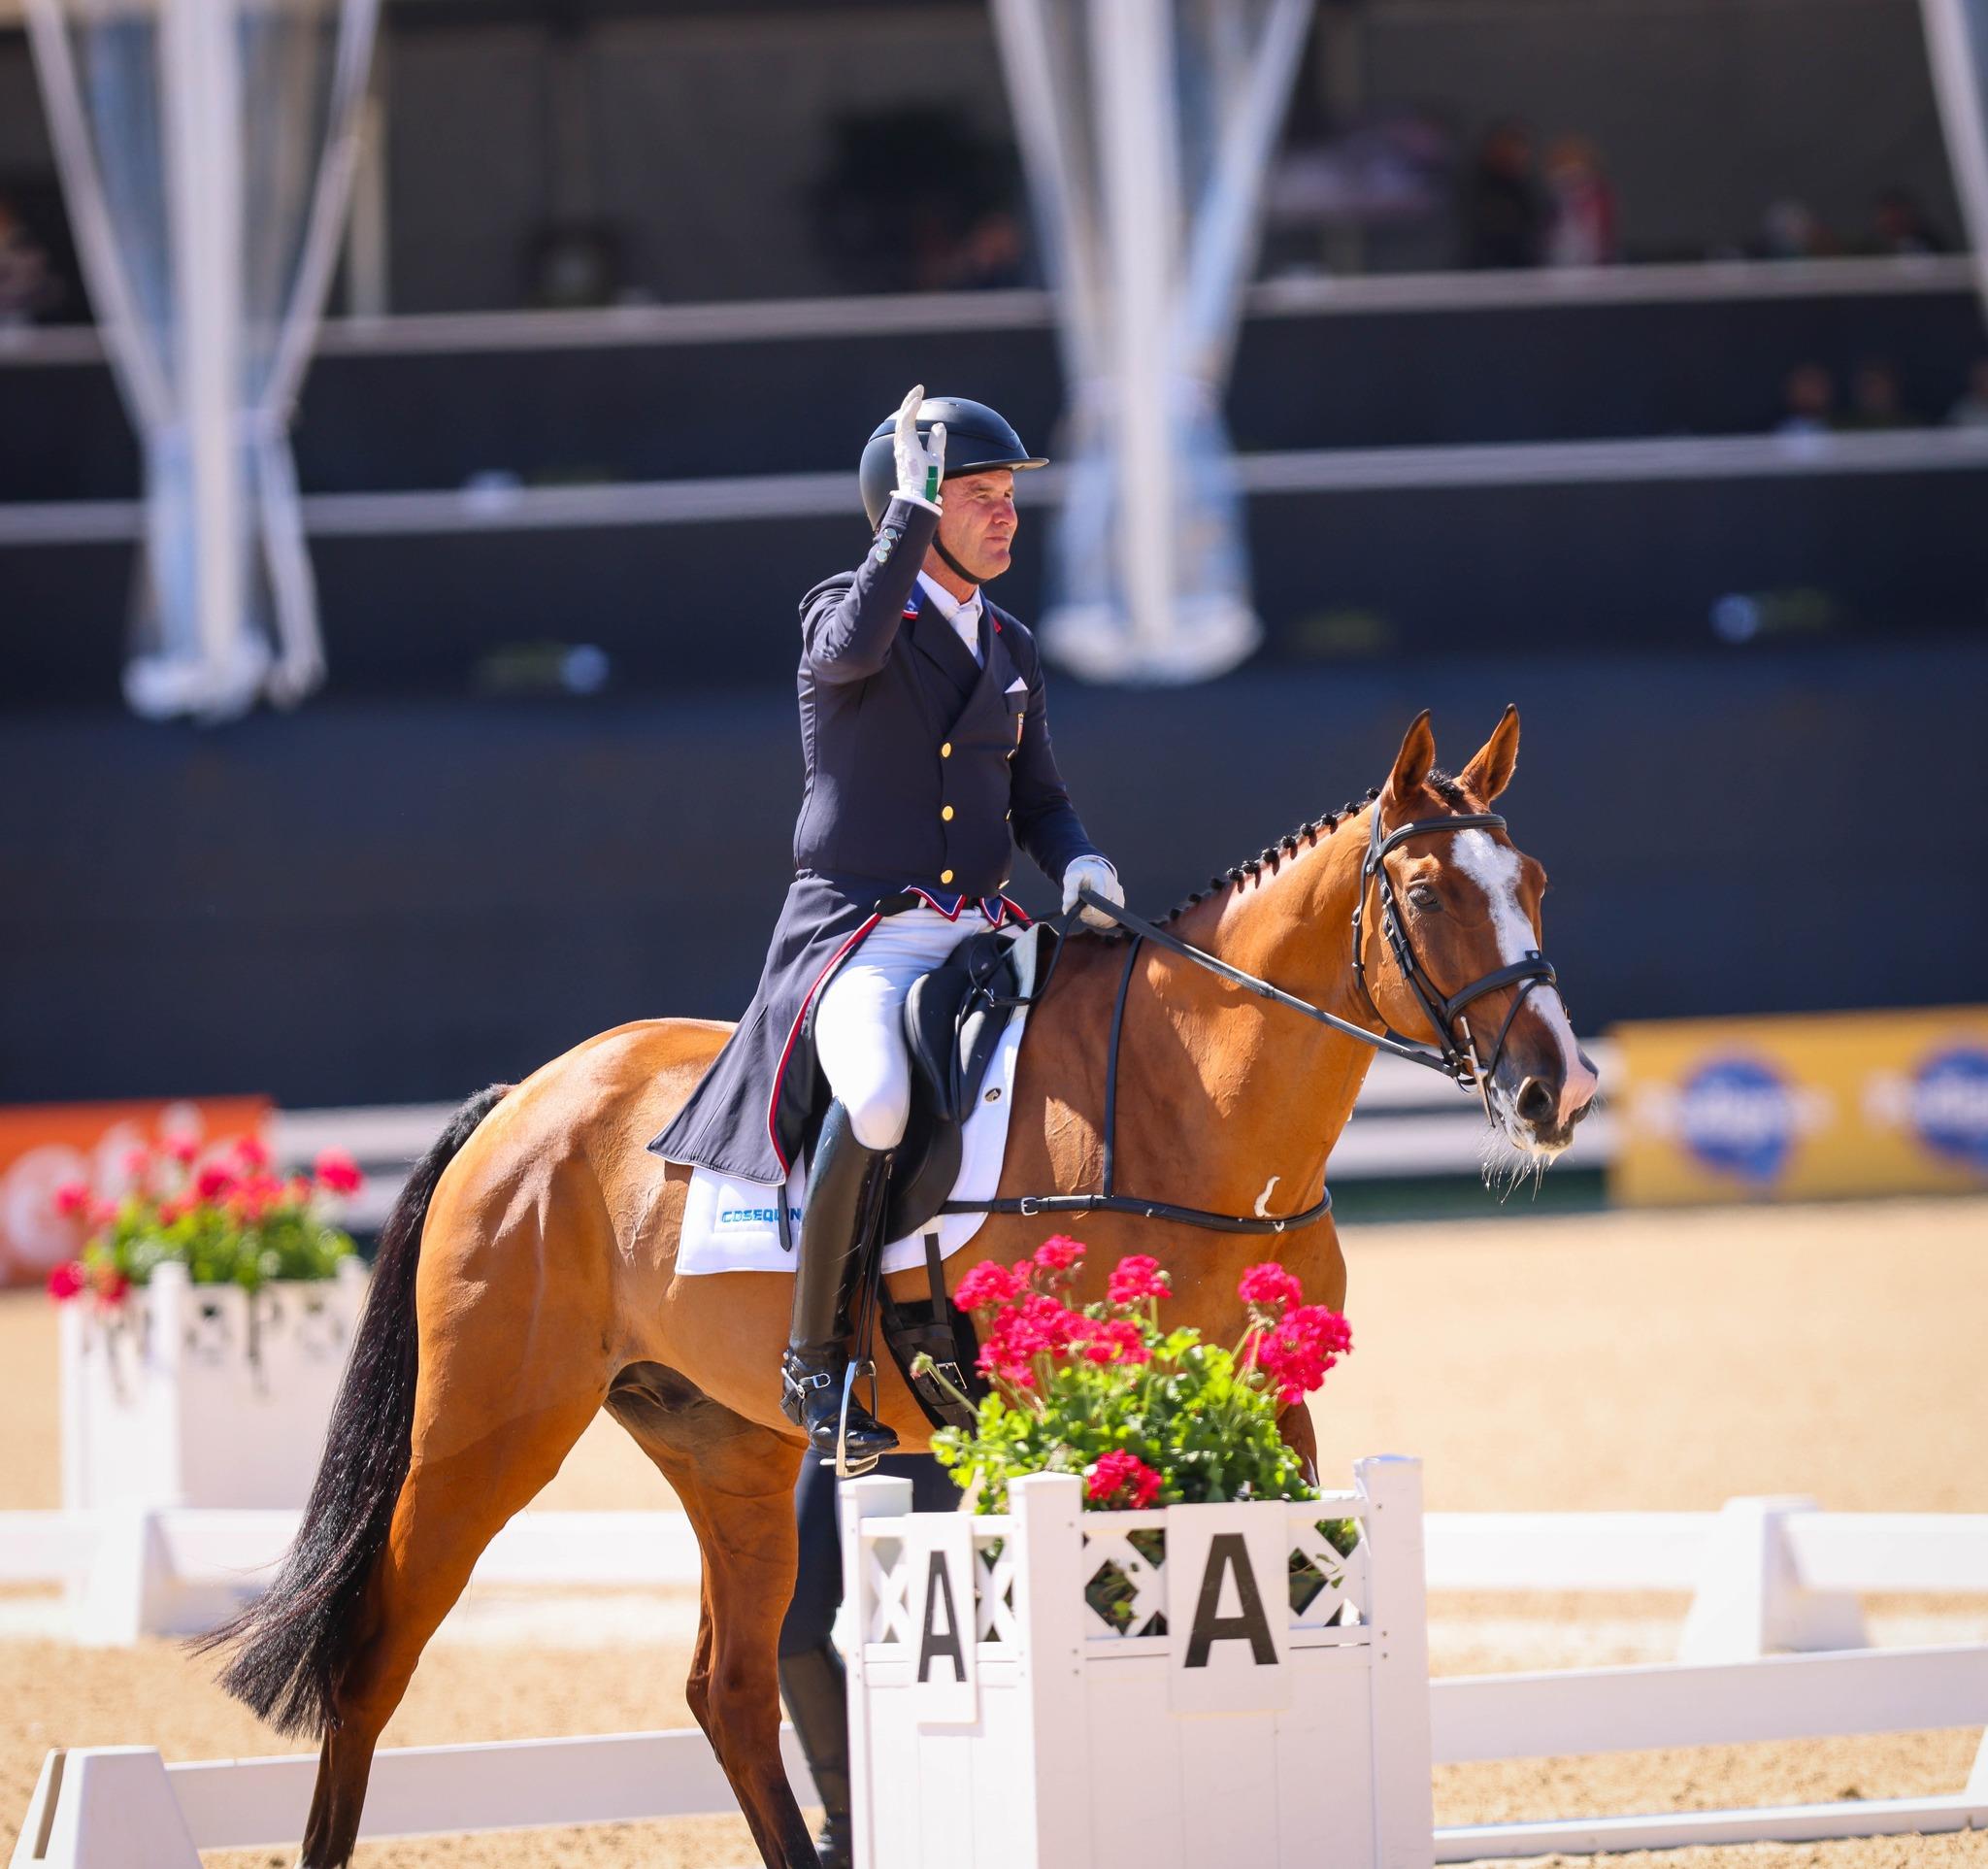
x: 193, y: 1396
x: 1227, y: 1711
x: 203, y: 1395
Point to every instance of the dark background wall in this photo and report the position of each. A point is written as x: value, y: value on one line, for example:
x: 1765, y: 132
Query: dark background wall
x: 404, y: 900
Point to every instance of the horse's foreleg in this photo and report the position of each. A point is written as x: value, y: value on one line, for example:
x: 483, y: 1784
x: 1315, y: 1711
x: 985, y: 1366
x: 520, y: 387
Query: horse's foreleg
x: 1294, y: 1425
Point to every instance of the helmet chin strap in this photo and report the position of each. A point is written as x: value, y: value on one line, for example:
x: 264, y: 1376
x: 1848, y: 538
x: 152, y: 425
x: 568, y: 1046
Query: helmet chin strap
x: 953, y: 564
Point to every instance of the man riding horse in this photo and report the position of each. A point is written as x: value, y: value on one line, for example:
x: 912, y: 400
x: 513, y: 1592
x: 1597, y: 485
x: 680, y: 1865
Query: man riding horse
x: 925, y: 732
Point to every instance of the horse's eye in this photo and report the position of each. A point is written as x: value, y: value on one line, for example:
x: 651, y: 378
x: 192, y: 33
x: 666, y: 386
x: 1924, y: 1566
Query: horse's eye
x: 1423, y: 897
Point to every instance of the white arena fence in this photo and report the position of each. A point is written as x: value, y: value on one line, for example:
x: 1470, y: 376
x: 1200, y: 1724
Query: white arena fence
x: 124, y: 1808
x: 1763, y: 1574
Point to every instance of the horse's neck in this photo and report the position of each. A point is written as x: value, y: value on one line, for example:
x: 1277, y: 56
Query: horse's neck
x: 1269, y: 1090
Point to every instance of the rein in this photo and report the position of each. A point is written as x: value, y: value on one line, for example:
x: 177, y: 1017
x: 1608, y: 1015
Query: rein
x: 1457, y: 1062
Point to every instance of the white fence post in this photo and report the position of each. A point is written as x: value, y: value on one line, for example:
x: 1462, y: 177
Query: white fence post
x: 1398, y: 1611
x: 1048, y: 1511
x: 109, y: 1807
x: 1750, y: 1598
x: 880, y: 1496
x: 125, y: 1591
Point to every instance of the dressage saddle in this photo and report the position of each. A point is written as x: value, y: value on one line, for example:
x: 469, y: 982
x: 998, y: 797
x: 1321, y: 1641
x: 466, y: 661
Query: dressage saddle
x: 953, y: 1019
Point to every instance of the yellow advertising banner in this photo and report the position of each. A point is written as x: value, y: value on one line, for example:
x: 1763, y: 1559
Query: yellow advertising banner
x: 1802, y: 1108
x: 43, y: 1147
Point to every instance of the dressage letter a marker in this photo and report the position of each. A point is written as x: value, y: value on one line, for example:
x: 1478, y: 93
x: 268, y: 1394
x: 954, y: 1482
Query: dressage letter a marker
x: 1228, y: 1555
x: 930, y: 1641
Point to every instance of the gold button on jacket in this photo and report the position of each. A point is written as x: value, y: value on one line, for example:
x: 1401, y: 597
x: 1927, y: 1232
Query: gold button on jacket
x: 946, y: 814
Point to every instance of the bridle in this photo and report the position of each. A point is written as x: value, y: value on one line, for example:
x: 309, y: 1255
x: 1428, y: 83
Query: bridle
x: 1445, y: 1014
x: 1457, y: 1061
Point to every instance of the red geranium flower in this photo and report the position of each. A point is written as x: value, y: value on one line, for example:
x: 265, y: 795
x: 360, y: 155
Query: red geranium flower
x: 213, y: 1182
x: 103, y: 1214
x: 112, y: 1284
x: 72, y: 1200
x: 1120, y: 1472
x: 184, y: 1149
x: 66, y: 1281
x: 1058, y: 1254
x: 1113, y: 1339
x: 987, y: 1284
x: 1296, y: 1352
x: 1137, y: 1277
x: 1269, y: 1286
x: 1034, y: 1326
x: 136, y: 1162
x: 339, y: 1172
x: 251, y: 1153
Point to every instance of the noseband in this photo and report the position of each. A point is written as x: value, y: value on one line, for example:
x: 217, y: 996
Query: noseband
x: 1444, y: 1013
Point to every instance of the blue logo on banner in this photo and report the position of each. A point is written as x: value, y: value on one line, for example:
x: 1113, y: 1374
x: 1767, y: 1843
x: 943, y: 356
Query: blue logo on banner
x: 1737, y: 1116
x: 1950, y: 1105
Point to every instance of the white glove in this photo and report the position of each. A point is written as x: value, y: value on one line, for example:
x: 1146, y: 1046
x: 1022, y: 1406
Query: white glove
x: 1104, y: 881
x: 921, y: 460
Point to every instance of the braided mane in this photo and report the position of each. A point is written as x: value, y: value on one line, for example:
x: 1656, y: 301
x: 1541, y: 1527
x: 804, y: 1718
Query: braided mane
x: 1308, y: 834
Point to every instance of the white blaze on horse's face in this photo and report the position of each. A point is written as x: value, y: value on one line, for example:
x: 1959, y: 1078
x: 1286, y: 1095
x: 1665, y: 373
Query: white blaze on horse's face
x: 1495, y: 869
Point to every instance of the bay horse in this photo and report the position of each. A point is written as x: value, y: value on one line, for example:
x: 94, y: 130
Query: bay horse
x: 526, y: 1277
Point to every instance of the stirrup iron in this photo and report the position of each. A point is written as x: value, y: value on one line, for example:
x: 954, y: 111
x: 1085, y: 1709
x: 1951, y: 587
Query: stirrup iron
x: 844, y: 1467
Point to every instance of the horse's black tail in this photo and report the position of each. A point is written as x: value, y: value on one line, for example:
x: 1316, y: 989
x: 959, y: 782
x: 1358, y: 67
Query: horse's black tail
x: 292, y: 1644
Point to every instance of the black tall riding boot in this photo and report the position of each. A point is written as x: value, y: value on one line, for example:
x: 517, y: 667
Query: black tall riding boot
x: 844, y: 1189
x: 813, y: 1686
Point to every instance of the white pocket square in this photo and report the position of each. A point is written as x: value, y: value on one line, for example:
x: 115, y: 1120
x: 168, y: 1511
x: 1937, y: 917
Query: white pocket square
x: 1017, y: 688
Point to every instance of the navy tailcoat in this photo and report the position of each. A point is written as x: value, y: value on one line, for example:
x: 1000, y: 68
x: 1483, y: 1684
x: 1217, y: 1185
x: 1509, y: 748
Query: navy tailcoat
x: 923, y: 772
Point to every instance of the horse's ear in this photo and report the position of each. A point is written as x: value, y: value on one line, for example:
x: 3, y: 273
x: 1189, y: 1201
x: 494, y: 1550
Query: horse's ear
x: 1490, y: 771
x: 1416, y: 760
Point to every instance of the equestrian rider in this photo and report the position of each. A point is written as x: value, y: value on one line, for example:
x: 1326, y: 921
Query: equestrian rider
x: 925, y: 733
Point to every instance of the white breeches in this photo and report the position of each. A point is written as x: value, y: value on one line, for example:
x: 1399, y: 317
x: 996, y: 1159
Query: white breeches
x: 858, y: 1026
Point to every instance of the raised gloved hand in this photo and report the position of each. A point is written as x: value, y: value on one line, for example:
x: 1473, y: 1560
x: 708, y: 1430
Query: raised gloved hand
x: 1104, y: 881
x: 920, y: 458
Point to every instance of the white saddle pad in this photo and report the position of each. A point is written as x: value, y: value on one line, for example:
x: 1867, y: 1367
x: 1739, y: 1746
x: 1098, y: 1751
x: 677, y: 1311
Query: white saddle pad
x: 732, y: 1225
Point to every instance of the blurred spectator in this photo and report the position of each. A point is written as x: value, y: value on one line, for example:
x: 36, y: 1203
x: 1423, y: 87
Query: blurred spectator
x: 1876, y: 398
x: 572, y: 266
x: 1901, y: 226
x: 1503, y: 216
x: 28, y: 287
x: 1972, y: 411
x: 1808, y: 400
x: 990, y: 256
x: 1790, y: 230
x: 1580, y: 205
x: 901, y: 186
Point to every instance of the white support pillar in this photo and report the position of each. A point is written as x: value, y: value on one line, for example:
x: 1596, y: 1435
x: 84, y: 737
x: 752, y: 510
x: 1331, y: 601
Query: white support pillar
x: 1957, y: 49
x: 1132, y: 59
x: 201, y: 108
x: 1147, y: 131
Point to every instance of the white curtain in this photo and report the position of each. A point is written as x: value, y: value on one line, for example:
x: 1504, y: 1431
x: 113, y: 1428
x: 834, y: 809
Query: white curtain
x: 1146, y: 127
x: 1957, y: 43
x: 206, y: 149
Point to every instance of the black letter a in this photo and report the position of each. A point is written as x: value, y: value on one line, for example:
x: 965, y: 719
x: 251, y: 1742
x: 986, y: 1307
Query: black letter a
x: 938, y: 1582
x: 1226, y: 1551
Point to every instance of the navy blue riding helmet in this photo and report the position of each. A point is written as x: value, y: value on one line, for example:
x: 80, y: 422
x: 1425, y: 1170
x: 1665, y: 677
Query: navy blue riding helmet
x: 977, y: 440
